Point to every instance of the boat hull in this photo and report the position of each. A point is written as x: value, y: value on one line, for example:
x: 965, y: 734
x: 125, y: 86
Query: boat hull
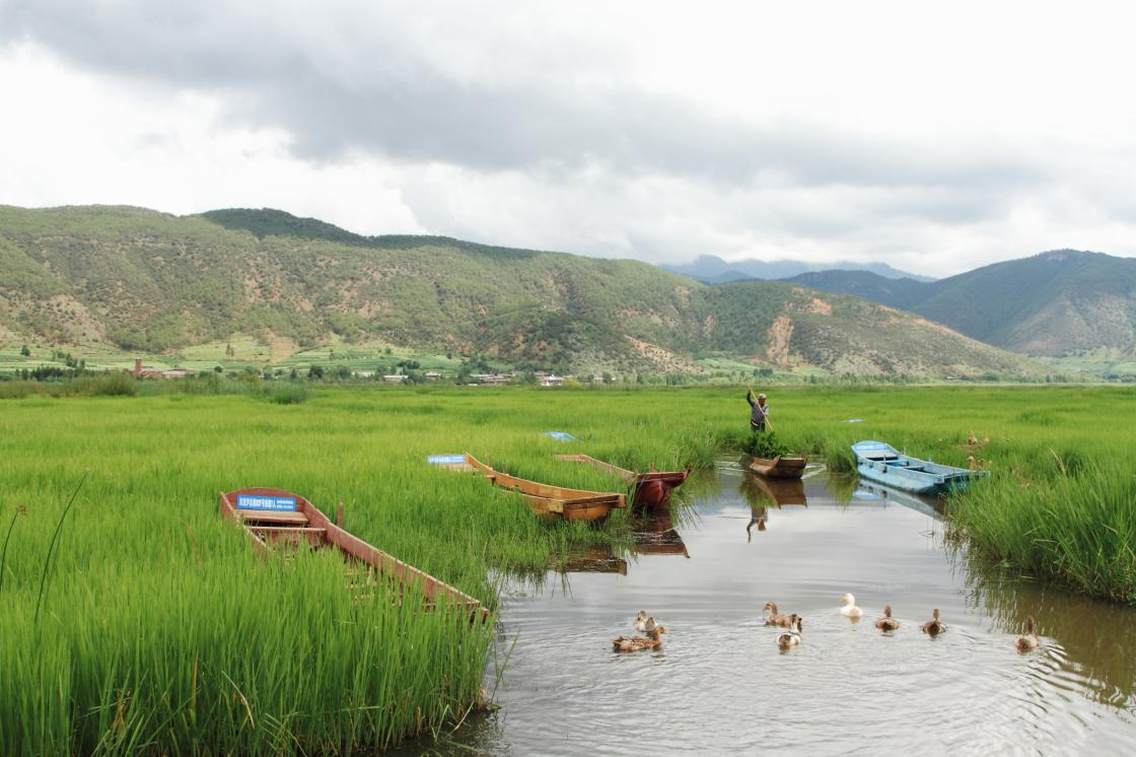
x: 652, y: 490
x: 549, y: 501
x: 881, y: 463
x: 305, y: 524
x: 782, y: 467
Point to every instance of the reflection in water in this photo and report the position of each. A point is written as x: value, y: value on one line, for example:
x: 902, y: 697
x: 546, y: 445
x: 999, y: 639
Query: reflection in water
x: 1089, y: 640
x: 852, y: 688
x: 761, y: 493
x: 657, y: 536
x: 592, y: 559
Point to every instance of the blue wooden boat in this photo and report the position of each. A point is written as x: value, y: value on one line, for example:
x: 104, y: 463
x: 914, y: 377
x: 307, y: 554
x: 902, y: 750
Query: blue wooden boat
x: 880, y: 462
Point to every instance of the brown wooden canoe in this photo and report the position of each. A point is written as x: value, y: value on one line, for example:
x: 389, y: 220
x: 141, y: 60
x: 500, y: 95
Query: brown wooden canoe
x: 652, y: 489
x: 276, y: 517
x: 548, y: 500
x: 779, y: 467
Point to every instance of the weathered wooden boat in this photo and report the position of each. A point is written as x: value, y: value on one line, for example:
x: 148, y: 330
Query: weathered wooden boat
x: 545, y: 500
x: 652, y: 489
x: 782, y: 466
x: 880, y: 462
x: 276, y: 518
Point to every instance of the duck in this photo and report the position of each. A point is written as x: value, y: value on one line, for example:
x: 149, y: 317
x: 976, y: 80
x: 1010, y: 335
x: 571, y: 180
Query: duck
x: 641, y: 621
x: 786, y: 640
x: 773, y: 617
x: 1030, y: 641
x: 887, y: 622
x: 850, y: 610
x: 634, y: 643
x: 653, y: 629
x: 934, y: 626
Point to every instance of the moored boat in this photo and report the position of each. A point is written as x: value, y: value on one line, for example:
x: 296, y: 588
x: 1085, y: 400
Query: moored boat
x: 782, y: 466
x: 278, y: 518
x: 882, y: 463
x: 545, y: 500
x: 652, y: 489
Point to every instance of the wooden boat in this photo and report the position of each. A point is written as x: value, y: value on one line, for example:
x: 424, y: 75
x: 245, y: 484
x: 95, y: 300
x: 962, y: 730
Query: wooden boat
x: 880, y: 462
x: 782, y: 466
x: 652, y: 490
x: 275, y: 518
x: 545, y: 500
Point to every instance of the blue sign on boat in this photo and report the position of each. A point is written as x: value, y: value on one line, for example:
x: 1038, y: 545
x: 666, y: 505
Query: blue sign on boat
x: 266, y: 502
x: 445, y: 459
x: 560, y: 436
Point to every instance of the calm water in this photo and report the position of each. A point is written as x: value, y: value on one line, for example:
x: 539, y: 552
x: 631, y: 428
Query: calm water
x: 721, y: 685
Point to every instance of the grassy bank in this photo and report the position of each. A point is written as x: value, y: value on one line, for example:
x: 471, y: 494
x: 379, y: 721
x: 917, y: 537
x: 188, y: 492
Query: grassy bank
x: 159, y: 630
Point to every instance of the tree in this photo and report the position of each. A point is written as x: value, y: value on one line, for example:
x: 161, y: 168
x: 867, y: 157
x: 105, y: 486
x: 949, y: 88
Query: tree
x: 25, y: 351
x: 315, y: 372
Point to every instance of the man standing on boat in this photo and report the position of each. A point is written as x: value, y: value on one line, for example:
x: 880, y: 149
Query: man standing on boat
x: 759, y: 411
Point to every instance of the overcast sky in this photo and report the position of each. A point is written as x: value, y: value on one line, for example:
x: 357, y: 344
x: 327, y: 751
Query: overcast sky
x: 934, y: 139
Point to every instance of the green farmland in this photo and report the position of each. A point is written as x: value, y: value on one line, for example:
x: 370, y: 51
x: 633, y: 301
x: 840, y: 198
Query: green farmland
x: 146, y: 624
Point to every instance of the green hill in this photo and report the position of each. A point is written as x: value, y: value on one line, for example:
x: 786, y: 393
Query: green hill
x: 1056, y: 303
x: 139, y: 280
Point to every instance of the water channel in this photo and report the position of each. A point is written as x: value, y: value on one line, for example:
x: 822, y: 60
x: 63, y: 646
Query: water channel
x: 720, y: 684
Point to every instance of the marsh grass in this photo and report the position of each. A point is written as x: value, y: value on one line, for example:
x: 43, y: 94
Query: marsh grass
x: 163, y: 633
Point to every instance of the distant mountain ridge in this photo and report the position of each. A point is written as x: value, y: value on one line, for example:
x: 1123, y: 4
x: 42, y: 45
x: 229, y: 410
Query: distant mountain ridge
x: 1056, y: 303
x: 711, y: 269
x: 140, y: 280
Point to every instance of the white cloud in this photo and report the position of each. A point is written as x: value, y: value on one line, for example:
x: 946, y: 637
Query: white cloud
x: 935, y: 141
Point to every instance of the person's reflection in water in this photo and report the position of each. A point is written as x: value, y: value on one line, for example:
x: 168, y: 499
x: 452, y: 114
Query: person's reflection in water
x: 757, y: 518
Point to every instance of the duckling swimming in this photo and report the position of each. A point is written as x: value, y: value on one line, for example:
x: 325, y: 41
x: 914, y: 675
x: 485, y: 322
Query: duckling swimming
x: 934, y: 626
x: 1030, y: 641
x: 634, y: 643
x: 641, y: 621
x: 850, y: 610
x: 773, y: 617
x: 786, y: 640
x: 887, y: 623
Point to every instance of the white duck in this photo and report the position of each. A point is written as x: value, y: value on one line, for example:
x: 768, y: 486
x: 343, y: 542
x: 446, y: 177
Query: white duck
x: 641, y: 621
x: 850, y: 610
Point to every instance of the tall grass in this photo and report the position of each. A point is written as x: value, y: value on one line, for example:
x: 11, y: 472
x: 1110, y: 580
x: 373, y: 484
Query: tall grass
x: 1079, y: 527
x: 163, y: 633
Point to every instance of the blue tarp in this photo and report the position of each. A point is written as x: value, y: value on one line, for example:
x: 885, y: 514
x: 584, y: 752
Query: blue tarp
x: 560, y: 436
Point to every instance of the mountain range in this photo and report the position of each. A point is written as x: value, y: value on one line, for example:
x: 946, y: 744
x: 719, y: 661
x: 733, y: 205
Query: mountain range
x: 711, y: 269
x: 1057, y: 303
x: 138, y: 280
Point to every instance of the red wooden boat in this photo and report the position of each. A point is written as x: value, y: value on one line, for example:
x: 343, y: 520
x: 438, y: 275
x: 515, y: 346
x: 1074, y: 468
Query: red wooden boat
x: 652, y: 489
x: 782, y: 466
x: 275, y: 517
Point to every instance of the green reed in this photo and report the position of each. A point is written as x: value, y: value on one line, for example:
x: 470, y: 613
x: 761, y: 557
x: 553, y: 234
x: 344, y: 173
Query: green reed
x: 163, y: 633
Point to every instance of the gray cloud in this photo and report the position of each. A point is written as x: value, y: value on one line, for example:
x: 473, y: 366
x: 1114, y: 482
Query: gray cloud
x: 472, y: 122
x: 378, y: 91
